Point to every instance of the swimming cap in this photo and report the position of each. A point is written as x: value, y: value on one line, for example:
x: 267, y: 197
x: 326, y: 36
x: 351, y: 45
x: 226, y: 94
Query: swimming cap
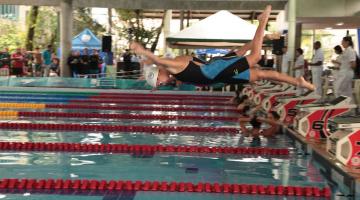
x: 151, y: 73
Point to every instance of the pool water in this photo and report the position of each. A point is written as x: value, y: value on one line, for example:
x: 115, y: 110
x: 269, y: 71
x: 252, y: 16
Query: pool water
x: 295, y: 169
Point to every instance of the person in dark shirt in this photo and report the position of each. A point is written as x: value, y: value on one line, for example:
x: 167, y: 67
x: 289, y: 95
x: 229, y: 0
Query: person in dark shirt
x: 5, y: 58
x: 74, y: 62
x: 84, y: 60
x: 94, y: 61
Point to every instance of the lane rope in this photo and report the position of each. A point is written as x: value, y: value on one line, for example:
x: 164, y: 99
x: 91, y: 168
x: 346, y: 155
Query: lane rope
x: 110, y: 107
x: 140, y: 108
x: 114, y: 99
x: 46, y: 185
x: 145, y: 101
x: 115, y: 116
x: 116, y: 128
x: 167, y: 96
x: 138, y: 149
x: 23, y: 105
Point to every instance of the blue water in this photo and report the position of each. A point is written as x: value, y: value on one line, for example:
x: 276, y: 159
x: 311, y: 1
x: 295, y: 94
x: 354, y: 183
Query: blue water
x: 295, y: 169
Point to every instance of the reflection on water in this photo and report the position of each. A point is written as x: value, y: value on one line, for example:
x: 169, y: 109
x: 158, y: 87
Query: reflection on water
x: 169, y: 167
x: 203, y: 139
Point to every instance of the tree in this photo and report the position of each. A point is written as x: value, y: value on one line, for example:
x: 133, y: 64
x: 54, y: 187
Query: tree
x: 33, y: 16
x: 134, y: 28
x: 83, y: 19
x: 46, y: 31
x: 10, y: 36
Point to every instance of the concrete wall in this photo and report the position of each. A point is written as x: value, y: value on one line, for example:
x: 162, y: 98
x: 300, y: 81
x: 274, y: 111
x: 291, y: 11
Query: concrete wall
x: 353, y: 7
x: 328, y: 8
x: 161, y: 4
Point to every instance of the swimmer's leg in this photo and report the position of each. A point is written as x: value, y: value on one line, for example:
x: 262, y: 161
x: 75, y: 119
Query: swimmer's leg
x: 243, y: 121
x: 256, y: 75
x: 257, y: 42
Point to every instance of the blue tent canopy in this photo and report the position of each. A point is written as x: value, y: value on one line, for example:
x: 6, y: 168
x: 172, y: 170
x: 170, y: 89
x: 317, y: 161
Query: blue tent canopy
x: 86, y: 39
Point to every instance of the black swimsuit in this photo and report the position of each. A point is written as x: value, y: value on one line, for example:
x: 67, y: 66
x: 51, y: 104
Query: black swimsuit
x: 193, y: 74
x: 227, y: 69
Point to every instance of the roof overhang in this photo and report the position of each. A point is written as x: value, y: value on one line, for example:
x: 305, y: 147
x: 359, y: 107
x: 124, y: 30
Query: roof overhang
x: 161, y: 4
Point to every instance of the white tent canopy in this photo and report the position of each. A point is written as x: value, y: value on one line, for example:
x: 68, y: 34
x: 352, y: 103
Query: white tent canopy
x: 222, y: 29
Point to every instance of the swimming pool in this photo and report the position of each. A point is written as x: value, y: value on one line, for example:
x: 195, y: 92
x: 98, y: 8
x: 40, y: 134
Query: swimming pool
x: 207, y: 122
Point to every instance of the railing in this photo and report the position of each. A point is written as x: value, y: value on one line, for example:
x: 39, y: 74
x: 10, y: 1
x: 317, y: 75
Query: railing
x: 118, y: 80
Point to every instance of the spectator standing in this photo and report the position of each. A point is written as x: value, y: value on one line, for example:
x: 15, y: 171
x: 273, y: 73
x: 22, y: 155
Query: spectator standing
x: 46, y: 55
x: 37, y: 62
x: 127, y: 62
x: 317, y: 67
x: 74, y: 62
x: 348, y: 64
x: 84, y: 67
x: 335, y: 70
x: 285, y: 61
x: 94, y: 60
x: 299, y: 67
x: 27, y: 61
x: 5, y: 58
x: 54, y: 67
x: 299, y: 63
x: 18, y: 60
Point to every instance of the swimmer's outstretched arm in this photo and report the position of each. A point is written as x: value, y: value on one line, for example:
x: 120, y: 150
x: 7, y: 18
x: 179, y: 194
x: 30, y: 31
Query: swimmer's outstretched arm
x: 168, y: 64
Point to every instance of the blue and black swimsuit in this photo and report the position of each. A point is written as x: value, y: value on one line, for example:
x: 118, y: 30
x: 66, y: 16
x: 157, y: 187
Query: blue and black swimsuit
x: 230, y: 69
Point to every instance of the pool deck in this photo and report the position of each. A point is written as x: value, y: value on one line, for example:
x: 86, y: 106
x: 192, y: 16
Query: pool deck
x: 330, y: 167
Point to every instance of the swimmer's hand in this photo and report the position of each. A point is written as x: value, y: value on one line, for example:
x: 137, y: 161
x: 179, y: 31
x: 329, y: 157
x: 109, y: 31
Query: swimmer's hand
x: 137, y: 48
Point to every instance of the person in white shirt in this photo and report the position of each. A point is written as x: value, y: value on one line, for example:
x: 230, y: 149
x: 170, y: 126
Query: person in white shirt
x: 335, y: 69
x: 348, y: 64
x: 299, y: 63
x: 299, y: 67
x: 317, y: 67
x: 285, y: 61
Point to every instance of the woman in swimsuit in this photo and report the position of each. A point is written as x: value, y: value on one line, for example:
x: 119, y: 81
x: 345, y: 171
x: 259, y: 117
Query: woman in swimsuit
x: 232, y: 68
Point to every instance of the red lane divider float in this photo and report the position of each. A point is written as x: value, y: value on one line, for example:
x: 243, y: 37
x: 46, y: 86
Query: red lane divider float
x: 46, y: 185
x: 166, y: 96
x: 142, y: 108
x: 145, y: 97
x: 125, y: 116
x: 136, y: 149
x: 116, y: 128
x: 145, y: 101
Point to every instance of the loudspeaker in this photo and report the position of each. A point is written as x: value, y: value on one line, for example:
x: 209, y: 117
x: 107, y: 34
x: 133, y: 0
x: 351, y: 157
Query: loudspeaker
x: 278, y: 45
x: 106, y: 43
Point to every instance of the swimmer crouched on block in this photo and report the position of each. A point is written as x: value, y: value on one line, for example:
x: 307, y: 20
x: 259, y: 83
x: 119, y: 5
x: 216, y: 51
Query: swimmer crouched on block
x: 272, y: 120
x: 233, y: 68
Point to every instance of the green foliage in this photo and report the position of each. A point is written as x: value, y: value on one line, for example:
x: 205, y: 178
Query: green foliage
x: 133, y: 19
x: 10, y: 36
x: 83, y: 19
x: 46, y: 28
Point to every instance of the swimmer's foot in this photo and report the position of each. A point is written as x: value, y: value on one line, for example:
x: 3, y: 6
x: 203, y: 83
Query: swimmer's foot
x: 272, y: 36
x: 303, y: 83
x: 264, y: 16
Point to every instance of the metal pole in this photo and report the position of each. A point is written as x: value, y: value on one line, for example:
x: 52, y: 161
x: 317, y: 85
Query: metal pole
x: 66, y: 12
x: 167, y: 22
x: 291, y: 31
